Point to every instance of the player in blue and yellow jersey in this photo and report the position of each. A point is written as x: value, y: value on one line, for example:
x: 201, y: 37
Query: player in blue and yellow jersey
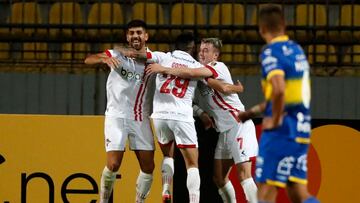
x: 282, y: 160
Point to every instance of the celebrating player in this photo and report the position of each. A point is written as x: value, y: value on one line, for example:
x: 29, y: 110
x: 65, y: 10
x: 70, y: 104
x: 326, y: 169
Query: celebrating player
x: 129, y: 101
x: 237, y: 141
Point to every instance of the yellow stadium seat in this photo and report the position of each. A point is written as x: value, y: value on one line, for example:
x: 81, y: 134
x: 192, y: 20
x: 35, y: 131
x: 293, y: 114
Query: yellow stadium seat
x: 350, y: 17
x: 152, y: 14
x: 74, y: 51
x: 25, y: 13
x: 35, y: 51
x: 228, y: 14
x: 253, y: 34
x: 187, y: 14
x: 236, y: 53
x: 4, y: 50
x: 105, y: 14
x: 321, y: 54
x: 310, y: 15
x: 65, y: 13
x: 355, y: 52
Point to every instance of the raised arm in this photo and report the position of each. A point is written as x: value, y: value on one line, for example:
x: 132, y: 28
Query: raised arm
x: 95, y: 58
x: 112, y: 62
x: 225, y: 88
x: 182, y: 72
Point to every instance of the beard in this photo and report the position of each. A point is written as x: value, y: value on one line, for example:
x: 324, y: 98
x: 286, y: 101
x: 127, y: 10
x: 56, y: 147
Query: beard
x: 136, y: 43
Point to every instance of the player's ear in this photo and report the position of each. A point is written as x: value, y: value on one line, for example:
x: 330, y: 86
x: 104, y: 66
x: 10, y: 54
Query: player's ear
x: 146, y: 36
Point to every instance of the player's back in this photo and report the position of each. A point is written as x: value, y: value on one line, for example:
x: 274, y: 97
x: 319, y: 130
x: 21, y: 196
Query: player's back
x: 173, y: 95
x: 287, y: 57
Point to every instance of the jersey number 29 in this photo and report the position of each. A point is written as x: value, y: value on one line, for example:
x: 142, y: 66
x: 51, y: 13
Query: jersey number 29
x: 180, y: 83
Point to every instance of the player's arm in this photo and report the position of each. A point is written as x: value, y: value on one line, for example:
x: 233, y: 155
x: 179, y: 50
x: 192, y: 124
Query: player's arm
x: 132, y: 53
x: 277, y: 99
x: 104, y: 57
x: 187, y: 73
x: 225, y: 88
x: 204, y: 117
x: 253, y: 112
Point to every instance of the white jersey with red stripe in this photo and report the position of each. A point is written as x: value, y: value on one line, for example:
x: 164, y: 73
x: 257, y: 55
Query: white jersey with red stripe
x: 223, y: 108
x: 129, y: 92
x: 173, y: 95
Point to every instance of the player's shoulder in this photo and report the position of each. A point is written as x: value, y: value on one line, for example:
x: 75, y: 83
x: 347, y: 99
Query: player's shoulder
x: 218, y: 64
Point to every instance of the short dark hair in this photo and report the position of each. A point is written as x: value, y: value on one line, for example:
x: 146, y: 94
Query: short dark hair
x: 272, y: 17
x: 184, y: 41
x: 136, y: 23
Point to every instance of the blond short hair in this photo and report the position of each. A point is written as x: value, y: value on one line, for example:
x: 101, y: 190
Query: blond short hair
x: 216, y: 42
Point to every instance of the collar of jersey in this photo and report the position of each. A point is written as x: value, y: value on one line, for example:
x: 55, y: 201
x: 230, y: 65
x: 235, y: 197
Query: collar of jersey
x: 281, y: 38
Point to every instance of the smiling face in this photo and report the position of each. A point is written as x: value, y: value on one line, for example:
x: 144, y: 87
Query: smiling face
x: 137, y: 37
x: 208, y: 53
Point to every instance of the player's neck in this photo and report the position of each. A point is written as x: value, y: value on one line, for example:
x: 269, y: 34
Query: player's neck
x: 269, y: 37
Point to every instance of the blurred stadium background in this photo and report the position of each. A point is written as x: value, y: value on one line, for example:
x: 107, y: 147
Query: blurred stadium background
x: 43, y: 44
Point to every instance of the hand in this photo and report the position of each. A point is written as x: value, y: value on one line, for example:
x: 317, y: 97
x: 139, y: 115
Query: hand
x: 244, y: 116
x: 207, y: 121
x: 127, y: 51
x: 239, y: 85
x: 112, y: 62
x: 154, y: 68
x: 268, y: 123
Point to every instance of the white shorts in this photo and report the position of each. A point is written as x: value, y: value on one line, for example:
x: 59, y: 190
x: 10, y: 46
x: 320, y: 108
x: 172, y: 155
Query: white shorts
x: 118, y: 130
x: 238, y: 143
x: 182, y: 132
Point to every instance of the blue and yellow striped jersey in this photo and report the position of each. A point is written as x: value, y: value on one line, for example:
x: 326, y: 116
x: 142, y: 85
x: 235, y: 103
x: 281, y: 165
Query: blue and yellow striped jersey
x: 287, y: 58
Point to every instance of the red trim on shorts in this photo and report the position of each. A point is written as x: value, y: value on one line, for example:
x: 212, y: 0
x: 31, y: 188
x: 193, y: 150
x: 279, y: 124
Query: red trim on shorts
x: 231, y: 109
x: 108, y: 53
x: 182, y: 146
x: 167, y: 144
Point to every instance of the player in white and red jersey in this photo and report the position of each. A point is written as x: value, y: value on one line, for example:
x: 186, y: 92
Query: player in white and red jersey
x: 237, y: 141
x: 129, y: 103
x: 172, y: 116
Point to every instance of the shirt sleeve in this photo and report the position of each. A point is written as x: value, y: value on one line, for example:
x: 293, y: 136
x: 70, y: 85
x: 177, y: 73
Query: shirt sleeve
x: 214, y: 72
x: 155, y: 57
x: 111, y: 53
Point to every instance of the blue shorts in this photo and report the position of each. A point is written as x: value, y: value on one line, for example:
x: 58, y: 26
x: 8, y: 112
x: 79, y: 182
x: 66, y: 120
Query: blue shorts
x: 281, y: 159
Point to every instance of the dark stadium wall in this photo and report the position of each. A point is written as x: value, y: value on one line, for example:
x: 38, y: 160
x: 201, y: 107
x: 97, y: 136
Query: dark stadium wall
x: 84, y: 94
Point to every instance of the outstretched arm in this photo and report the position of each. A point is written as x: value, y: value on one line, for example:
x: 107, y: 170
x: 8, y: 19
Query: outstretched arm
x: 102, y: 58
x: 225, y: 88
x: 181, y: 72
x: 253, y: 112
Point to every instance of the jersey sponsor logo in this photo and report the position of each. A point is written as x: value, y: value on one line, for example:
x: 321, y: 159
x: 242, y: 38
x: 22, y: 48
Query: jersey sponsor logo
x: 287, y: 51
x: 285, y: 165
x: 129, y: 75
x: 303, y: 123
x: 302, y: 163
x: 301, y: 65
x: 267, y: 51
x: 269, y: 60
